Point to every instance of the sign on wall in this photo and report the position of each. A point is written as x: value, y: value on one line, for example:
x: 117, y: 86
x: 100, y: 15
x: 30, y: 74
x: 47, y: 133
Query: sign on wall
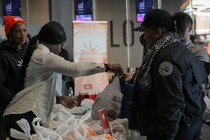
x: 90, y: 45
x: 11, y: 7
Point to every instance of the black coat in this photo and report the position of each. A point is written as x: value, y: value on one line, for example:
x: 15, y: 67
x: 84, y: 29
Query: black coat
x: 10, y: 63
x: 175, y: 93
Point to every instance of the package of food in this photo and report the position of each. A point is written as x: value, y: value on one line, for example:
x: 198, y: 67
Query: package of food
x: 105, y: 121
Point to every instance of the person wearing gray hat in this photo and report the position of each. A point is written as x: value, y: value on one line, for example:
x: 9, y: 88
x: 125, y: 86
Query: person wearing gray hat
x: 166, y: 102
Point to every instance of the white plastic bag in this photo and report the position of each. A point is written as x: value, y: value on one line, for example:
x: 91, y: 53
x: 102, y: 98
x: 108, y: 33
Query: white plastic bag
x: 23, y: 123
x: 62, y: 126
x: 87, y: 103
x: 206, y: 115
x: 62, y: 121
x: 119, y: 128
x: 110, y: 99
x: 70, y: 128
x: 44, y: 133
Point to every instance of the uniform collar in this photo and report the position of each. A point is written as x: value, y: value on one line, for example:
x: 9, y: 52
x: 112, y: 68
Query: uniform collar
x: 186, y: 42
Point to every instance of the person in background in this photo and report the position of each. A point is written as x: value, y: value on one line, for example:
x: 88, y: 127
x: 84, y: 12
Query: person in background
x: 183, y: 25
x: 64, y: 53
x: 166, y: 101
x: 67, y: 81
x: 194, y: 40
x: 2, y: 38
x: 2, y: 33
x: 12, y: 51
x: 40, y: 68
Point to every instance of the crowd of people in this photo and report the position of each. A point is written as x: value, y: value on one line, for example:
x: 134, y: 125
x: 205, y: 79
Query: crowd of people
x: 166, y: 102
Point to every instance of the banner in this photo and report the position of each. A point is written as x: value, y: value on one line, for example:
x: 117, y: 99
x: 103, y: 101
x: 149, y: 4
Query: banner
x: 90, y: 45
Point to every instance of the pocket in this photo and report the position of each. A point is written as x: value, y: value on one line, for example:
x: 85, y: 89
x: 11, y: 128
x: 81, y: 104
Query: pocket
x: 184, y: 122
x: 187, y: 122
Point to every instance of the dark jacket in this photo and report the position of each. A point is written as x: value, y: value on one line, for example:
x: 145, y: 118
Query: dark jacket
x: 10, y: 61
x: 175, y: 94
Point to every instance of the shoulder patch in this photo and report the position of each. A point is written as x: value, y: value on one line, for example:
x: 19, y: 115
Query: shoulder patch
x: 165, y: 68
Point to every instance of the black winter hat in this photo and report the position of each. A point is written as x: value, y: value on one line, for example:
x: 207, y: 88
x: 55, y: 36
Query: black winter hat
x: 156, y: 18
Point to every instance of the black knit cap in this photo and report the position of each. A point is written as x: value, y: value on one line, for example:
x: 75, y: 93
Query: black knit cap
x: 156, y: 18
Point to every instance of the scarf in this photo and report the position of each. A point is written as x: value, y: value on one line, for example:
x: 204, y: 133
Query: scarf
x: 142, y: 81
x: 143, y: 74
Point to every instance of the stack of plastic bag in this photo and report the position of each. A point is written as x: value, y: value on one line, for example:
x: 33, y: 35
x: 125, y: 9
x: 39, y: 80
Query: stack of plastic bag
x: 62, y: 126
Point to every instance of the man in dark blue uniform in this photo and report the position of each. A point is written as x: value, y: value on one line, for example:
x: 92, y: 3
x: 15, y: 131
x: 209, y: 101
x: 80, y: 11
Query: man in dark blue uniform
x: 166, y: 102
x: 183, y: 25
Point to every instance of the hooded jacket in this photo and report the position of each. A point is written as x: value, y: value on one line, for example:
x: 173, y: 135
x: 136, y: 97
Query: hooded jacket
x: 10, y: 61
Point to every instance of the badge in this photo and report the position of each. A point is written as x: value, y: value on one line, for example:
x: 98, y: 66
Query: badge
x: 165, y: 68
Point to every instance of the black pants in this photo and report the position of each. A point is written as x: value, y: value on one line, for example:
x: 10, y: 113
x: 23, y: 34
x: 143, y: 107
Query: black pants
x: 9, y: 121
x: 3, y: 134
x: 193, y: 132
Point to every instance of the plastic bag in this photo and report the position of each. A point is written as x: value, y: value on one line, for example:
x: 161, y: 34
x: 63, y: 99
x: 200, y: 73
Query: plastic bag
x: 206, y: 115
x: 70, y: 128
x: 119, y: 128
x: 23, y: 123
x: 110, y: 99
x: 44, y: 133
x: 62, y: 121
x: 62, y: 126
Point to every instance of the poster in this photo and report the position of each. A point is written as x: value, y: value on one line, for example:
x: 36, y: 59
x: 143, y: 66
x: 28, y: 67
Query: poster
x: 90, y: 44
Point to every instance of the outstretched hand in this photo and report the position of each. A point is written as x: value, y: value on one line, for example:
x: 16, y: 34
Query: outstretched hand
x: 128, y: 77
x: 67, y: 101
x: 116, y: 68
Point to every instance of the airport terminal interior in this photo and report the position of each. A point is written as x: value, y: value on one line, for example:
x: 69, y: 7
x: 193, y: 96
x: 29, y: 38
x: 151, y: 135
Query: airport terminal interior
x: 103, y: 31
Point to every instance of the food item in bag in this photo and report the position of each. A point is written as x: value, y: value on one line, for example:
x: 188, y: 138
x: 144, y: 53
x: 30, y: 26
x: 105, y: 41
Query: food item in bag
x: 105, y: 121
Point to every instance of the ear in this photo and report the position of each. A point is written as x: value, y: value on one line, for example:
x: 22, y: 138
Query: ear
x: 159, y: 32
x: 190, y: 29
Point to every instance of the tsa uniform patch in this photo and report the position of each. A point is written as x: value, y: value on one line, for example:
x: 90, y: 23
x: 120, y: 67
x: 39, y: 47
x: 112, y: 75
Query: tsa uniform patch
x: 165, y: 68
